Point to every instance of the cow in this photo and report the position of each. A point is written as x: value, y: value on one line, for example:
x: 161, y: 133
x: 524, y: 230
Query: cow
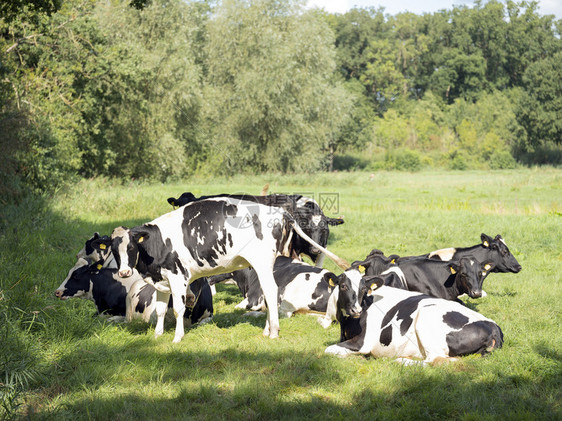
x: 98, y: 284
x: 203, y: 238
x: 412, y: 327
x: 301, y: 287
x: 490, y: 249
x: 126, y: 298
x: 441, y: 279
x: 304, y: 210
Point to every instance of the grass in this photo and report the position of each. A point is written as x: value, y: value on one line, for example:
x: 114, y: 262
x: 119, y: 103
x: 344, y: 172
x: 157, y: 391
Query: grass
x: 59, y: 361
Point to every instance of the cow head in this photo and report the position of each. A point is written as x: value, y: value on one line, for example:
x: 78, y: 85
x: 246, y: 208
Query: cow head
x: 376, y: 262
x: 503, y: 260
x: 91, y: 253
x: 314, y: 223
x: 124, y: 244
x: 348, y: 303
x: 78, y: 282
x: 470, y: 275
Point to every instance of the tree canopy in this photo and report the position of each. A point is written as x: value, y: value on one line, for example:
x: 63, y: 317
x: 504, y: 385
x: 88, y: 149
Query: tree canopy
x: 167, y: 88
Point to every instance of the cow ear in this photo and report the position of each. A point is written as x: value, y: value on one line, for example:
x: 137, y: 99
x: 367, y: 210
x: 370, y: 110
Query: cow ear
x: 487, y: 266
x: 393, y: 258
x: 453, y: 267
x: 335, y: 221
x: 102, y: 243
x: 331, y: 279
x: 140, y: 236
x: 373, y: 282
x: 486, y: 240
x: 172, y: 201
x: 361, y: 265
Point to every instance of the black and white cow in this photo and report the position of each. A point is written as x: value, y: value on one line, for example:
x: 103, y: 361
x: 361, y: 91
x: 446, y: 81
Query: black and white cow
x: 494, y: 250
x: 204, y: 238
x: 447, y: 280
x: 408, y: 325
x: 129, y: 298
x: 301, y: 287
x: 304, y: 210
x: 100, y: 285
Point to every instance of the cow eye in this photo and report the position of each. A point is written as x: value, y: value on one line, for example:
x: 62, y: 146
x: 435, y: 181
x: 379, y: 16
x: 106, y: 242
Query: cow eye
x: 344, y: 287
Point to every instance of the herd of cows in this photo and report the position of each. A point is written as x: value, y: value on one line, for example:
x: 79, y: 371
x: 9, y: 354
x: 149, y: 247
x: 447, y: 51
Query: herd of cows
x: 403, y: 307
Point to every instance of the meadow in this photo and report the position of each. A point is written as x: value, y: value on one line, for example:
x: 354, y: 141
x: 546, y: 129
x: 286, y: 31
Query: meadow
x: 60, y: 361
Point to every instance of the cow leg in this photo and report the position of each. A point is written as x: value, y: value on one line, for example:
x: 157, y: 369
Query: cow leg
x: 161, y: 306
x: 269, y: 288
x: 181, y: 294
x: 320, y: 260
x: 327, y: 320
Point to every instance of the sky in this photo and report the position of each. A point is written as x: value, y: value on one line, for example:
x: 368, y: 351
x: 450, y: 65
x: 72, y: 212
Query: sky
x: 392, y: 7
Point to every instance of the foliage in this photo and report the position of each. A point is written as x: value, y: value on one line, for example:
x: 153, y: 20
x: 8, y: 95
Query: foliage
x: 168, y: 88
x: 271, y: 98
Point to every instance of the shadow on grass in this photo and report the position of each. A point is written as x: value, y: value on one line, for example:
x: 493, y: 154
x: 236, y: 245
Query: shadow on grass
x: 234, y: 384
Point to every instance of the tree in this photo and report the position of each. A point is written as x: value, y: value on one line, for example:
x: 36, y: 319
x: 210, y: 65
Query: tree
x: 270, y: 95
x: 540, y: 105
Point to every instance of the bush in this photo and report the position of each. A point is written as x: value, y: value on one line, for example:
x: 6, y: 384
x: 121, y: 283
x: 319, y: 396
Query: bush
x: 349, y: 163
x: 458, y: 161
x: 501, y: 160
x: 407, y: 160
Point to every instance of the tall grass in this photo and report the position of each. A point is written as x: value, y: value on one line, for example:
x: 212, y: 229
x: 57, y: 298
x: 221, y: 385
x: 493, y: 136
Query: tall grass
x: 59, y: 361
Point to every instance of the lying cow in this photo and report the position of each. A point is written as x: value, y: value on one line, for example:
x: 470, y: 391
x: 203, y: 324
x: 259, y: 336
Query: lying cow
x: 203, y: 238
x: 304, y: 210
x: 409, y: 325
x: 494, y: 250
x: 301, y: 287
x: 439, y: 279
x: 100, y: 285
x: 129, y: 298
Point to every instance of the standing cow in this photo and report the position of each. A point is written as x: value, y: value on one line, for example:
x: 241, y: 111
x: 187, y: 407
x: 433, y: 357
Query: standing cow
x: 304, y: 210
x: 203, y: 238
x: 409, y: 325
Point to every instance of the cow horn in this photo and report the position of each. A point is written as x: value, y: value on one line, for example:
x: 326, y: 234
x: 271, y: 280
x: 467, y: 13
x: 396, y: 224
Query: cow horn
x: 342, y: 263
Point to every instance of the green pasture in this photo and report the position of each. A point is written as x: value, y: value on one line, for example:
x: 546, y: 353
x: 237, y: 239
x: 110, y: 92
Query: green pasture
x: 60, y: 362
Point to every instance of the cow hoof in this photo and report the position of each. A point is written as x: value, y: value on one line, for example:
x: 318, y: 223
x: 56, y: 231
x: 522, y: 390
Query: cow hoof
x: 325, y: 323
x: 274, y: 335
x: 177, y: 339
x: 337, y: 350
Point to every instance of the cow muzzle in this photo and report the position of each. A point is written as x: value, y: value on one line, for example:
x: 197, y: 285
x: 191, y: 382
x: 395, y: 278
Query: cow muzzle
x: 125, y: 273
x: 475, y: 294
x: 59, y: 294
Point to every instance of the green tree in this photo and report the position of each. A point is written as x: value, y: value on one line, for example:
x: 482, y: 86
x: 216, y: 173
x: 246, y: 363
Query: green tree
x: 540, y: 105
x: 270, y: 95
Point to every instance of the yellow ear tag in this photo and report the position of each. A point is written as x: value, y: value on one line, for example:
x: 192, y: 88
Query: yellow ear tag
x: 331, y: 282
x: 361, y: 268
x: 99, y: 266
x: 488, y: 267
x: 453, y: 271
x: 103, y: 246
x: 486, y: 244
x: 141, y: 240
x: 393, y: 261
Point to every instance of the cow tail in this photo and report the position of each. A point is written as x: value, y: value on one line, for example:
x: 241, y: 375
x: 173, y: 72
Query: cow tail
x: 342, y: 263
